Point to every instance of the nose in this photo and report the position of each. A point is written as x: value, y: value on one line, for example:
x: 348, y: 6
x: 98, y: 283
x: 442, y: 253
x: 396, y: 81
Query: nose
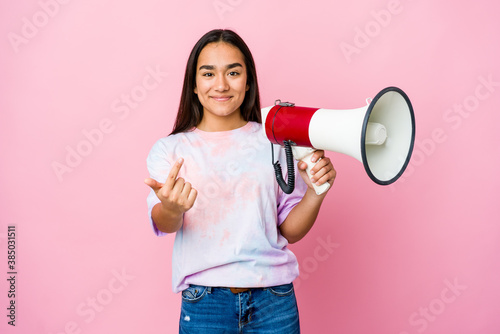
x: 221, y: 83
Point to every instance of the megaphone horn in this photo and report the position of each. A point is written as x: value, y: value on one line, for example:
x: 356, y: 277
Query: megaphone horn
x: 381, y: 134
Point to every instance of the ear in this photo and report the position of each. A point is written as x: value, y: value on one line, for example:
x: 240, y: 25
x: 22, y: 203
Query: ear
x: 195, y: 90
x: 247, y: 88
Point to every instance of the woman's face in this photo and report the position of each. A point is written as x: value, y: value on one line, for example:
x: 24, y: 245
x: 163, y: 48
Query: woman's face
x: 221, y: 81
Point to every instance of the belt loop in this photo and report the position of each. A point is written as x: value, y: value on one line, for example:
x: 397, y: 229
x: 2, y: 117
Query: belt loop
x: 209, y: 289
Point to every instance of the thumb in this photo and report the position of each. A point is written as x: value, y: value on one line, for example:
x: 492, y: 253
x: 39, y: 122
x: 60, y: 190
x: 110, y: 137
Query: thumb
x: 302, y: 165
x: 155, y: 185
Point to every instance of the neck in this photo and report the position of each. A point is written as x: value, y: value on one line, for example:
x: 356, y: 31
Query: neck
x: 216, y: 124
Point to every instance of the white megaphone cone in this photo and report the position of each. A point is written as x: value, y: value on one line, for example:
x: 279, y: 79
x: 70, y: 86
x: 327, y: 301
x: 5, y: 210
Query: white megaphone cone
x: 381, y: 134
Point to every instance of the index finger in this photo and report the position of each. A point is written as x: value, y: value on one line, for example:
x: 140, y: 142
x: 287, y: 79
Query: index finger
x: 317, y: 155
x: 172, y: 175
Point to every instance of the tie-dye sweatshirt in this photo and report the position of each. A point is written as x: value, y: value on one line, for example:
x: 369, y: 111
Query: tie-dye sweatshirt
x: 230, y: 237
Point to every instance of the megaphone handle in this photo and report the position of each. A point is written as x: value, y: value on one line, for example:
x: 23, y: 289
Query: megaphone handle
x: 298, y: 153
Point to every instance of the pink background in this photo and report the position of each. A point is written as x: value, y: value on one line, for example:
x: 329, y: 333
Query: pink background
x: 419, y: 256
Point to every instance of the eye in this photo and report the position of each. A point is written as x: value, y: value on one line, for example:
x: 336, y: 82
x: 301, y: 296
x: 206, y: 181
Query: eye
x: 234, y: 73
x: 207, y: 74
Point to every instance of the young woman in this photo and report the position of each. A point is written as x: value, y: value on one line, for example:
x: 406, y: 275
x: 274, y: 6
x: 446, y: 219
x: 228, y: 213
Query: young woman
x: 213, y: 184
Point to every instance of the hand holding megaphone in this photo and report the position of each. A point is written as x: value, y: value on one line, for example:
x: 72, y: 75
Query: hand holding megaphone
x: 381, y: 134
x: 305, y: 155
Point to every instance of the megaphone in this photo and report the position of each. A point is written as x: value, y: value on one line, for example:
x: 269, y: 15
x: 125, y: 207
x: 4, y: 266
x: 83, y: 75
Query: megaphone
x: 381, y: 135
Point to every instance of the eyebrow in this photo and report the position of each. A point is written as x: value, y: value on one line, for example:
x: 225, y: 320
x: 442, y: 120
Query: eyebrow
x: 212, y: 67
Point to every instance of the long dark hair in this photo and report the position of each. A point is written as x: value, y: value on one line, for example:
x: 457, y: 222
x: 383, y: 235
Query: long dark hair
x: 190, y: 109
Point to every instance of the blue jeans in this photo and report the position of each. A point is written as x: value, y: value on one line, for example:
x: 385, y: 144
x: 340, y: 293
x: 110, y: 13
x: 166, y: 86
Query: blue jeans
x: 209, y: 310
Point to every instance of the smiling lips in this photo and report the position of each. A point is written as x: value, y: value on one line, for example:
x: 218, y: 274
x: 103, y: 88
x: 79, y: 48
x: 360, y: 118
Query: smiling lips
x: 221, y: 98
